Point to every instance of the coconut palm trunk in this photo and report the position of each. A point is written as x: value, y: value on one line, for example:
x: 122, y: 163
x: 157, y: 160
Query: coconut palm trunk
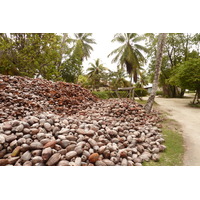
x: 160, y: 47
x: 196, y: 97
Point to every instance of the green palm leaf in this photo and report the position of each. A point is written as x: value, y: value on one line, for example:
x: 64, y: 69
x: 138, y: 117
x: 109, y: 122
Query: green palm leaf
x: 83, y: 41
x: 129, y: 55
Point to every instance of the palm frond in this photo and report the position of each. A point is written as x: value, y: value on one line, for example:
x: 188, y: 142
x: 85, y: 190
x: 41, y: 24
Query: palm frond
x: 114, y: 37
x: 139, y: 55
x: 93, y: 65
x: 119, y: 52
x: 137, y: 39
x: 85, y: 41
x: 119, y: 38
x: 130, y: 36
x: 140, y: 47
x: 89, y: 40
x: 97, y: 62
x: 129, y: 55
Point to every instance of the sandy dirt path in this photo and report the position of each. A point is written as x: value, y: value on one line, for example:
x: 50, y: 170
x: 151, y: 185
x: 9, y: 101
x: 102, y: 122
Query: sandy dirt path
x: 189, y: 119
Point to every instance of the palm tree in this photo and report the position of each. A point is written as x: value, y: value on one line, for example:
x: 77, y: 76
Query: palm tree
x: 96, y: 72
x: 143, y: 79
x: 129, y: 54
x: 83, y: 42
x: 117, y: 79
x: 160, y: 47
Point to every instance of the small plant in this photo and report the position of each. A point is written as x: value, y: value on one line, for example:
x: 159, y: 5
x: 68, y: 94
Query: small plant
x: 196, y: 105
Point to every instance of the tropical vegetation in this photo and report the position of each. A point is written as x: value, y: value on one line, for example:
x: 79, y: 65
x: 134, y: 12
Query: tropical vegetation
x: 187, y: 76
x: 61, y: 57
x: 96, y: 73
x: 179, y: 48
x: 129, y: 55
x: 47, y: 55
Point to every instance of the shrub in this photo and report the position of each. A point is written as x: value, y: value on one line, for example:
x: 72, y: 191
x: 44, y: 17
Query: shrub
x: 123, y: 94
x: 101, y: 95
x: 159, y: 93
x: 140, y: 92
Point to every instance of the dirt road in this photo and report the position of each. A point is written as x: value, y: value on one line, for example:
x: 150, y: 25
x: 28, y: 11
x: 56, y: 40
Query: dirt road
x: 189, y: 119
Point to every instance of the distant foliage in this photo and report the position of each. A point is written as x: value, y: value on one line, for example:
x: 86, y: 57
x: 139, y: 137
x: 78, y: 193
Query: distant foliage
x: 160, y: 93
x: 96, y: 74
x: 118, y: 79
x: 101, y: 95
x: 139, y: 92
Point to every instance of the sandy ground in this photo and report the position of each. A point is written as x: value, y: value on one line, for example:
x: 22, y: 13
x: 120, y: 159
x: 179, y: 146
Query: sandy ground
x: 189, y: 119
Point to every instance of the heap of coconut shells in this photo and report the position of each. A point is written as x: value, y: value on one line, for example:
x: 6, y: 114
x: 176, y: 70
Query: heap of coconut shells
x: 116, y: 132
x: 22, y: 96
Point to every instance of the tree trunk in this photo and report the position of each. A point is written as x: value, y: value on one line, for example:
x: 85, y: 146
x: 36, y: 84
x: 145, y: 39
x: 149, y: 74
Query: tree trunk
x: 182, y: 92
x: 160, y: 47
x: 197, y: 97
x: 172, y: 91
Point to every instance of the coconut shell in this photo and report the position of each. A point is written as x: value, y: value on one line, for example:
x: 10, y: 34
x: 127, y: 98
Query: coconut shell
x: 93, y: 157
x: 46, y: 153
x: 50, y: 144
x: 16, y: 151
x: 53, y: 159
x: 4, y: 162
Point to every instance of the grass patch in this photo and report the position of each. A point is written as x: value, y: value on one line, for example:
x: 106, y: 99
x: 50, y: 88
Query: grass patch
x: 143, y: 102
x: 173, y: 154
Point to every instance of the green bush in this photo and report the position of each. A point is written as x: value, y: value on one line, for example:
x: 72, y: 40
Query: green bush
x: 123, y: 94
x: 101, y: 95
x: 159, y: 93
x: 140, y: 92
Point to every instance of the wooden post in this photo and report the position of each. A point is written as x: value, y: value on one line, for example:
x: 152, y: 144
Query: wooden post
x: 133, y: 94
x: 117, y: 94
